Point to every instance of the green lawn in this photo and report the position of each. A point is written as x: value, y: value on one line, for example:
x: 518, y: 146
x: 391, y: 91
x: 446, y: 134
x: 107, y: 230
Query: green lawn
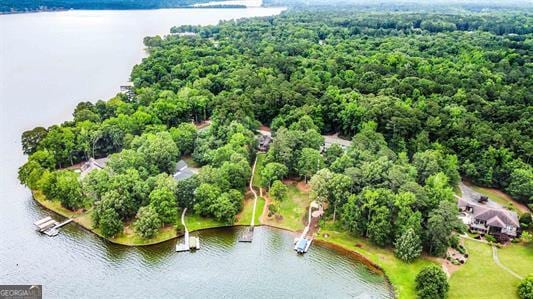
x: 196, y: 222
x: 480, y: 277
x: 401, y: 275
x: 131, y: 238
x: 518, y: 257
x: 292, y: 210
x: 245, y: 217
x: 258, y: 167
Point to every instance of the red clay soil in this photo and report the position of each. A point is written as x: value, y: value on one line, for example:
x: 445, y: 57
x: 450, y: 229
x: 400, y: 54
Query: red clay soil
x: 264, y: 128
x: 448, y: 266
x: 202, y: 124
x: 303, y: 187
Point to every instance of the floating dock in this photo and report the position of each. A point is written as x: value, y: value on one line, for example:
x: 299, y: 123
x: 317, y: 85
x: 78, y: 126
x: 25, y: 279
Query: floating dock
x: 49, y: 226
x: 302, y: 244
x: 247, y: 235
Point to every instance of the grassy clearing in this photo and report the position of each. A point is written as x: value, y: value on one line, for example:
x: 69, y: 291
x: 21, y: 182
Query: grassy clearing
x: 258, y: 167
x: 245, y: 216
x: 518, y: 257
x: 128, y: 237
x: 196, y: 222
x: 292, y: 210
x: 54, y: 205
x: 480, y: 277
x: 401, y: 275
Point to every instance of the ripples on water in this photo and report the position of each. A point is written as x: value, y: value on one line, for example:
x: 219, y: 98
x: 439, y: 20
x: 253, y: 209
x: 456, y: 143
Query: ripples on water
x: 82, y: 265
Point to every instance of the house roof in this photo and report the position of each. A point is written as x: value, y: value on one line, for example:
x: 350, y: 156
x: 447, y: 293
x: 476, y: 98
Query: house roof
x: 182, y: 171
x: 181, y: 165
x: 496, y: 221
x: 91, y: 165
x: 499, y: 217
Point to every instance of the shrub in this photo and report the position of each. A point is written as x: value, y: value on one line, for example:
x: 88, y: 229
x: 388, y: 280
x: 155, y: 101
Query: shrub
x: 525, y: 220
x: 278, y: 191
x: 490, y: 238
x: 454, y: 241
x: 431, y: 283
x: 525, y: 288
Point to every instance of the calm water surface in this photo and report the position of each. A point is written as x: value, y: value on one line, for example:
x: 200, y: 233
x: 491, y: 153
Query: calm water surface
x: 51, y: 61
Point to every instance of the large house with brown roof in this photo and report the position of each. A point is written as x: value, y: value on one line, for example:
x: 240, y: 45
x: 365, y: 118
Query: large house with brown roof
x: 485, y: 218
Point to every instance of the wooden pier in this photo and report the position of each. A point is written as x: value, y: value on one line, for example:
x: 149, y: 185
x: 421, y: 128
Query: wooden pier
x: 302, y: 244
x: 49, y: 226
x: 248, y: 234
x: 188, y: 242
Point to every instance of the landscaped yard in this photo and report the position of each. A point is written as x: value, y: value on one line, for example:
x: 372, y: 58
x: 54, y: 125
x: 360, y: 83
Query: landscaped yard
x: 480, y: 277
x: 518, y: 257
x: 258, y: 167
x: 129, y: 237
x: 245, y: 216
x: 292, y: 210
x: 401, y: 275
x: 195, y: 222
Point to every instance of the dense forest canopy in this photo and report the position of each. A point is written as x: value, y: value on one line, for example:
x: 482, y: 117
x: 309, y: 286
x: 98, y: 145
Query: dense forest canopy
x: 424, y: 97
x: 461, y: 82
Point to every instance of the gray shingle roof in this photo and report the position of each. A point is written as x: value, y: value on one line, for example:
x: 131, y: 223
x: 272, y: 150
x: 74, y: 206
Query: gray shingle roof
x: 497, y: 216
x: 182, y: 171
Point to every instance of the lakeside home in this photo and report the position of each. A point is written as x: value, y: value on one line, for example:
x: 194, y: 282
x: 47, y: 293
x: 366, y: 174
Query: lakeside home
x: 182, y: 171
x: 91, y: 165
x: 486, y: 218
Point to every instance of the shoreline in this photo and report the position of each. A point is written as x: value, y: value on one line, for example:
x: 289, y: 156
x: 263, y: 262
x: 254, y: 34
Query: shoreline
x: 6, y: 13
x: 373, y: 267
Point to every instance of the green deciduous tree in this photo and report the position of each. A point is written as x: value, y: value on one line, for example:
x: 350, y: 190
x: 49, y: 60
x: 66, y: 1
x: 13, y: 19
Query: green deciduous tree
x: 408, y: 246
x: 110, y: 223
x: 379, y: 228
x: 440, y: 225
x: 67, y: 190
x: 431, y: 283
x: 309, y: 163
x: 147, y: 223
x: 278, y: 191
x: 159, y: 150
x: 271, y: 172
x: 164, y: 202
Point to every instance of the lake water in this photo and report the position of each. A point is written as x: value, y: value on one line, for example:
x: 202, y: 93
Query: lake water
x: 51, y: 61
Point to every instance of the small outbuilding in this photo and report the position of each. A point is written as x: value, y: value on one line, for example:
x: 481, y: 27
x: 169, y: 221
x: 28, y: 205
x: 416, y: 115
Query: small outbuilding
x: 92, y: 164
x: 182, y: 171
